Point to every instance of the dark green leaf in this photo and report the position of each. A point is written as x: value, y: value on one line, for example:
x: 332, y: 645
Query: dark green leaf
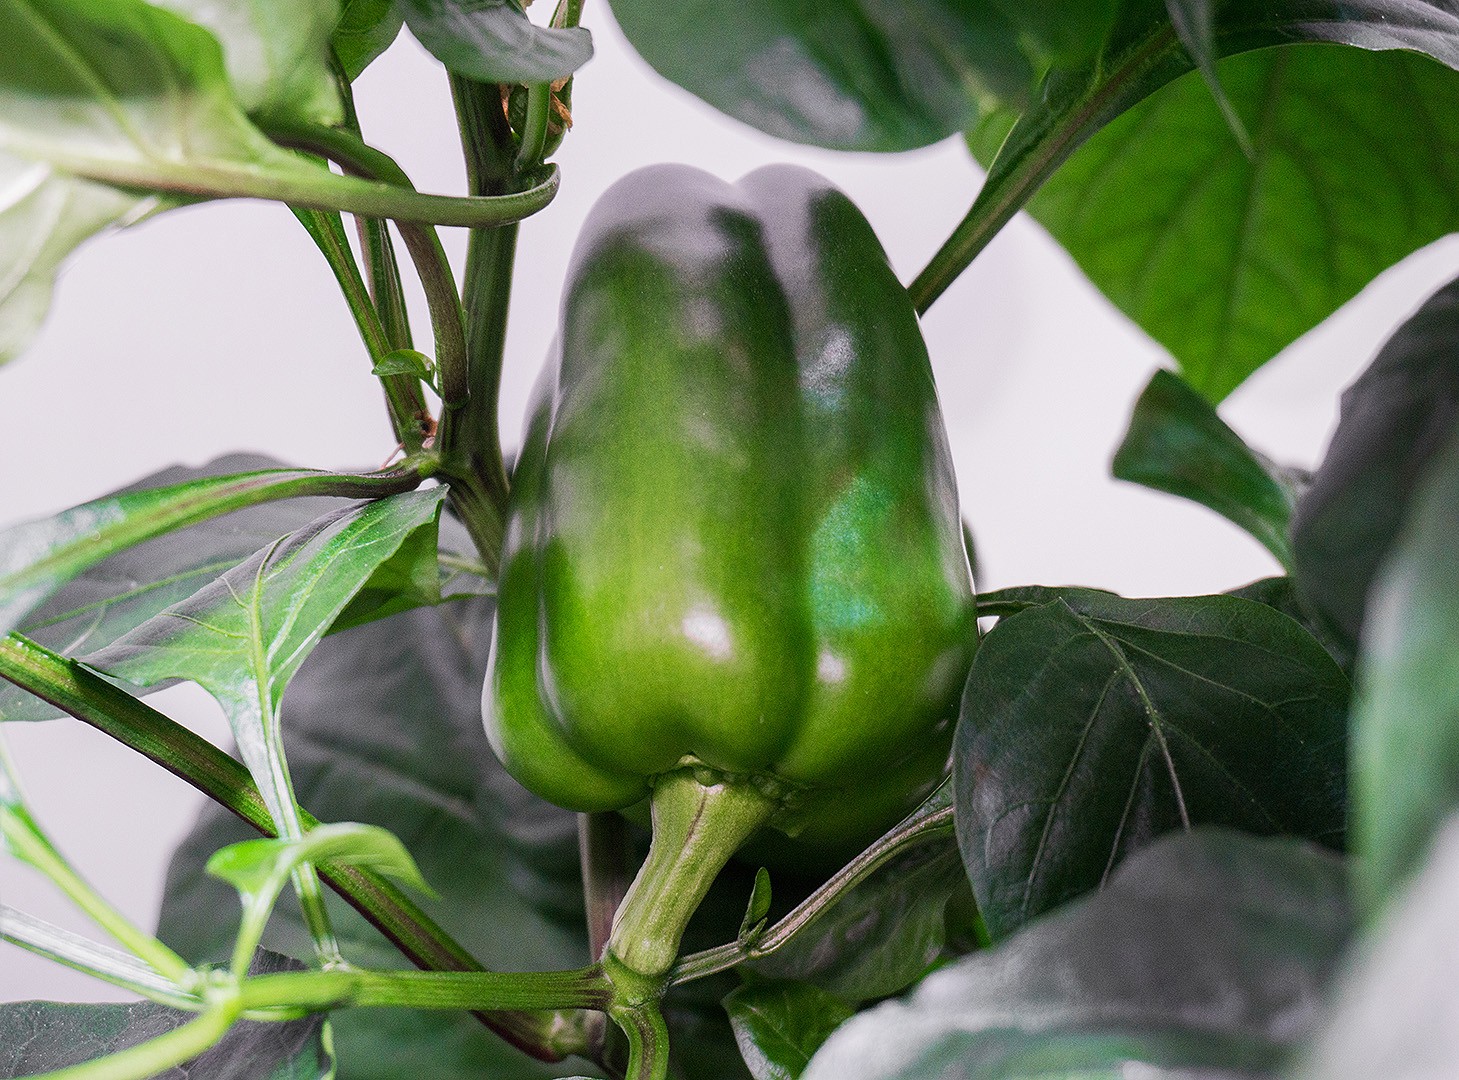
x: 38, y: 558
x: 243, y: 636
x: 1281, y: 593
x: 493, y: 40
x: 1394, y: 1011
x: 384, y: 726
x: 1177, y: 444
x: 842, y: 74
x: 276, y: 53
x: 125, y: 589
x: 885, y: 933
x: 1062, y: 32
x: 1206, y: 955
x: 1406, y: 718
x: 1395, y: 417
x: 39, y: 1036
x: 779, y: 1025
x: 366, y: 29
x: 1086, y: 732
x: 1226, y: 257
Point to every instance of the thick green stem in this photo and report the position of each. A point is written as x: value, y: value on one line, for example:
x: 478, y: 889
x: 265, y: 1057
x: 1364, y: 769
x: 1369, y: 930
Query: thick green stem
x: 697, y: 826
x: 478, y: 991
x: 469, y: 440
x: 75, y: 690
x: 648, y: 1041
x: 934, y: 818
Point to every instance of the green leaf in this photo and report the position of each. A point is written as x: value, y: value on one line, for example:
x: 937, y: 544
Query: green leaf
x: 264, y: 865
x: 1206, y: 954
x: 384, y: 727
x: 126, y: 94
x: 1061, y: 32
x: 779, y: 1026
x: 44, y: 216
x: 1195, y: 24
x: 758, y: 907
x: 39, y: 1036
x: 37, y: 558
x: 1177, y: 444
x: 884, y: 934
x: 276, y: 53
x: 1393, y: 1013
x: 243, y: 636
x: 1092, y: 724
x: 1395, y: 418
x: 1406, y: 717
x: 406, y: 362
x: 493, y: 40
x: 1225, y: 258
x: 366, y: 29
x: 840, y: 74
x: 1281, y: 593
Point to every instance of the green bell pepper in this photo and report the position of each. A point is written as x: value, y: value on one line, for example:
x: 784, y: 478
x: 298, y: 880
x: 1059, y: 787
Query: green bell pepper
x: 734, y: 579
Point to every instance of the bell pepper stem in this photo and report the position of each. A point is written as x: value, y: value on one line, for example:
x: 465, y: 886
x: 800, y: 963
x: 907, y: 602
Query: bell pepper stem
x: 697, y: 826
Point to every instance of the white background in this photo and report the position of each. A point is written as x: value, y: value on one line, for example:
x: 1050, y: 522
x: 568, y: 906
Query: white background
x: 218, y: 328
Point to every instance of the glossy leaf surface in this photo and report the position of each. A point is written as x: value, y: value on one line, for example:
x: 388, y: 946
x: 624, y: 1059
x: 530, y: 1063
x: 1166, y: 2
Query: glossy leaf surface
x: 1406, y: 718
x: 1395, y: 417
x: 885, y: 933
x: 1177, y: 444
x: 243, y: 636
x: 1092, y: 724
x: 1224, y: 256
x: 383, y: 727
x: 846, y: 75
x: 779, y: 1026
x: 1206, y: 955
x: 130, y: 534
x: 494, y: 41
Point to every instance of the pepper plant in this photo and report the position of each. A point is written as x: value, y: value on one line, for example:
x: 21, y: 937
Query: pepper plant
x: 712, y: 762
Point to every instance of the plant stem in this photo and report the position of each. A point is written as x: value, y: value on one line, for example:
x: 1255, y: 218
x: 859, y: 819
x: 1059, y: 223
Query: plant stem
x: 29, y: 844
x: 533, y: 147
x: 469, y: 440
x: 82, y: 954
x: 421, y: 241
x: 648, y: 1041
x: 478, y: 991
x: 197, y: 501
x: 409, y: 418
x: 1036, y: 148
x: 155, y: 1056
x: 321, y: 191
x: 697, y: 826
x: 75, y: 690
x: 932, y: 819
